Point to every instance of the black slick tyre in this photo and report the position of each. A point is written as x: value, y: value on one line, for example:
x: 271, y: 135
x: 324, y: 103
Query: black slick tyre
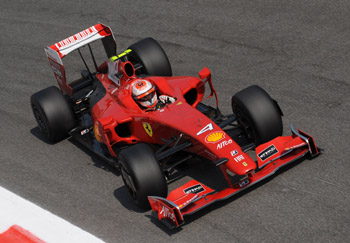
x: 142, y: 174
x: 152, y: 57
x: 53, y: 113
x: 258, y: 114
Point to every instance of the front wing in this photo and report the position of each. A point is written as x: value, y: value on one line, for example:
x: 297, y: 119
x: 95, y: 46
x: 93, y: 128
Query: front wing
x: 194, y: 195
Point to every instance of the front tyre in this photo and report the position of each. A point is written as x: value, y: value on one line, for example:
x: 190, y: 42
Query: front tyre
x: 142, y: 174
x: 53, y: 113
x: 258, y: 114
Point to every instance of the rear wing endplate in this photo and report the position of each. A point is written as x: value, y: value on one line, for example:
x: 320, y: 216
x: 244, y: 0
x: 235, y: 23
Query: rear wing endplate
x: 59, y: 50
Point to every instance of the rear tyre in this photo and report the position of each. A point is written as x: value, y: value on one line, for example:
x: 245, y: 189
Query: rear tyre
x: 152, y: 57
x: 53, y: 113
x: 258, y: 114
x: 142, y: 174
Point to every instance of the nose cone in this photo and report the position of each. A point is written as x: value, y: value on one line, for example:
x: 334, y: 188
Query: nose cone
x: 241, y: 164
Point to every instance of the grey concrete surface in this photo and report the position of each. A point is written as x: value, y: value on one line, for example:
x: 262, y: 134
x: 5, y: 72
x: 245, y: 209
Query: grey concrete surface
x: 299, y: 51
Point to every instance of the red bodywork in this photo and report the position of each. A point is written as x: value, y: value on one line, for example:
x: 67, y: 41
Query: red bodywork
x: 208, y: 141
x: 118, y: 108
x: 117, y: 111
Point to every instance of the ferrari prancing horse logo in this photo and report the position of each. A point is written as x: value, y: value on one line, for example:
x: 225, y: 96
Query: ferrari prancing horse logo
x: 147, y: 128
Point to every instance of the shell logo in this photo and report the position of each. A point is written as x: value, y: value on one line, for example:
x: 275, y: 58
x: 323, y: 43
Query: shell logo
x: 214, y: 137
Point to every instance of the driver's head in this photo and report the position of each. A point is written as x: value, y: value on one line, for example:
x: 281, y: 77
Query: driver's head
x: 144, y: 93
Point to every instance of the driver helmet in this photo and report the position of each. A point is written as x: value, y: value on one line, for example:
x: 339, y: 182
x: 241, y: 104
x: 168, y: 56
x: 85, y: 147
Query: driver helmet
x: 144, y: 93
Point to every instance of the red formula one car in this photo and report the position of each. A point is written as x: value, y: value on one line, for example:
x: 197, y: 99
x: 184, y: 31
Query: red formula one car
x: 101, y: 111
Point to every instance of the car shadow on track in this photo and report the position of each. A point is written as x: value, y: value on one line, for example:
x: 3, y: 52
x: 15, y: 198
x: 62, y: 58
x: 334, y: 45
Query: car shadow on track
x: 97, y: 161
x: 125, y: 199
x: 120, y: 193
x: 39, y: 135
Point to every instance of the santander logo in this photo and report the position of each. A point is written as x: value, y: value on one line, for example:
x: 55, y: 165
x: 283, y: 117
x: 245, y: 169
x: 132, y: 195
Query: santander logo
x: 77, y: 37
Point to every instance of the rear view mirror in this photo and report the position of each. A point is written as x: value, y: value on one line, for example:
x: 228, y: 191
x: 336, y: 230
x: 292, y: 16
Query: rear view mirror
x: 204, y: 73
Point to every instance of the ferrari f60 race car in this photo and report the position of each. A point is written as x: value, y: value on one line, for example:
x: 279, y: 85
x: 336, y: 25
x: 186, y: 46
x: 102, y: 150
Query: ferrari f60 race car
x: 146, y: 145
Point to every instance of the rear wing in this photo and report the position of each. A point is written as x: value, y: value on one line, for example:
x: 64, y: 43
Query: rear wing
x: 59, y: 50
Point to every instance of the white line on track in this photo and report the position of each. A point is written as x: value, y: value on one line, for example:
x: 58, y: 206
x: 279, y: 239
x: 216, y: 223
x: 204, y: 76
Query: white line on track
x: 15, y: 210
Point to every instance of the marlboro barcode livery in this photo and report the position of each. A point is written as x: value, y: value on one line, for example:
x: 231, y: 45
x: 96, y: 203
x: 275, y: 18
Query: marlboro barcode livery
x: 132, y: 112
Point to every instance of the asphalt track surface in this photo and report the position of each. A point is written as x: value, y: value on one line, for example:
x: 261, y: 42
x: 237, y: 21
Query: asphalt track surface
x: 299, y: 51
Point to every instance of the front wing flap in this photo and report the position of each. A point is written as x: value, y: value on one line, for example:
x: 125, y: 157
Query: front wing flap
x: 194, y: 196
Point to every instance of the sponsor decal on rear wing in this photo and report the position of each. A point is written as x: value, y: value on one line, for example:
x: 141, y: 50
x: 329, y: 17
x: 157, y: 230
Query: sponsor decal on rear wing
x: 89, y: 35
x: 59, y: 50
